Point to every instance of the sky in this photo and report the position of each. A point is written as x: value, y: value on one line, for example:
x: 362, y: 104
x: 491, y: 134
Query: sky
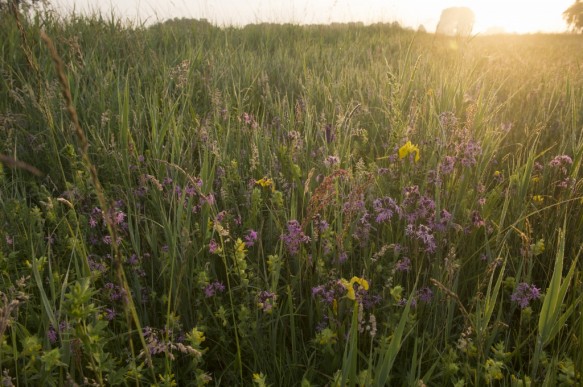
x: 521, y: 16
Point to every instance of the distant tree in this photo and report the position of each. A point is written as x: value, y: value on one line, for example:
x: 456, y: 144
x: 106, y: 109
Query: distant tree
x: 456, y: 21
x: 5, y: 5
x: 574, y: 16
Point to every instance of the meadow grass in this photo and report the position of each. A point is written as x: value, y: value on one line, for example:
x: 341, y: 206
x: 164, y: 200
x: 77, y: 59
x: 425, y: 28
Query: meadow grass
x: 288, y: 205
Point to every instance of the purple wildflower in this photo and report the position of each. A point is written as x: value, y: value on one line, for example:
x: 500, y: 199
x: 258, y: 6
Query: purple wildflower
x: 477, y: 219
x: 266, y: 301
x: 470, y: 152
x: 321, y: 325
x: 220, y: 216
x: 95, y: 265
x: 447, y: 165
x: 213, y: 246
x: 250, y: 238
x: 561, y: 162
x: 424, y: 234
x: 362, y: 232
x: 50, y: 239
x: 141, y: 191
x: 190, y: 190
x: 321, y: 224
x: 433, y: 177
x: 295, y: 237
x: 115, y: 292
x: 417, y: 207
x: 133, y: 260
x: 354, y: 205
x: 330, y: 161
x: 211, y: 289
x: 566, y: 183
x: 342, y: 257
x: 329, y: 133
x: 119, y: 217
x: 425, y: 208
x: 110, y: 314
x: 63, y: 326
x: 403, y: 265
x: 444, y: 221
x: 385, y: 208
x: 524, y: 293
x: 404, y: 301
x: 52, y: 334
x: 328, y: 292
x: 249, y: 119
x: 425, y: 295
x: 369, y: 301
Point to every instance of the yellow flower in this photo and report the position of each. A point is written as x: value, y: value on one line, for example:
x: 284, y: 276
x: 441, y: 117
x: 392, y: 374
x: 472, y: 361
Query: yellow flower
x: 259, y: 379
x: 538, y: 248
x: 538, y: 199
x: 361, y: 281
x: 497, y: 173
x: 349, y: 286
x: 326, y: 337
x: 265, y: 182
x: 407, y: 149
x: 240, y: 249
x: 195, y: 337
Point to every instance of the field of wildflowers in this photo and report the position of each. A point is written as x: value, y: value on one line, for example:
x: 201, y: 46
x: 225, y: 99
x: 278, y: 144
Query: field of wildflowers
x: 283, y: 205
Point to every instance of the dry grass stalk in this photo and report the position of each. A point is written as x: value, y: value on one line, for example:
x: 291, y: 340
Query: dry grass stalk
x: 13, y: 163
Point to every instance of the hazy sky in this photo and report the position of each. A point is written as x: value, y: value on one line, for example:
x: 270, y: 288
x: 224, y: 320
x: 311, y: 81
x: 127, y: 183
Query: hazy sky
x: 512, y: 15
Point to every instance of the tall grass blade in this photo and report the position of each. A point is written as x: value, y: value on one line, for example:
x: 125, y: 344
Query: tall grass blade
x: 552, y: 318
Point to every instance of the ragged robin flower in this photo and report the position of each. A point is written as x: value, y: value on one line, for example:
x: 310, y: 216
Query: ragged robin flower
x: 407, y: 149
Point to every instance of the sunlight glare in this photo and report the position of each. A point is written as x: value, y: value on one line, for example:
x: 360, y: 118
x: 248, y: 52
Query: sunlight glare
x: 518, y: 16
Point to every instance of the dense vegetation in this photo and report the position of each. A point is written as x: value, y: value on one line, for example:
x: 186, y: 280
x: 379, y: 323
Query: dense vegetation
x: 284, y: 205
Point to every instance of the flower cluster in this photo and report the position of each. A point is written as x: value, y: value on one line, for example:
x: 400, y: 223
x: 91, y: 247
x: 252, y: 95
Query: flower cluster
x: 561, y: 162
x: 251, y: 238
x: 329, y: 292
x: 385, y: 208
x: 211, y: 289
x: 266, y: 301
x: 524, y: 294
x: 294, y: 237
